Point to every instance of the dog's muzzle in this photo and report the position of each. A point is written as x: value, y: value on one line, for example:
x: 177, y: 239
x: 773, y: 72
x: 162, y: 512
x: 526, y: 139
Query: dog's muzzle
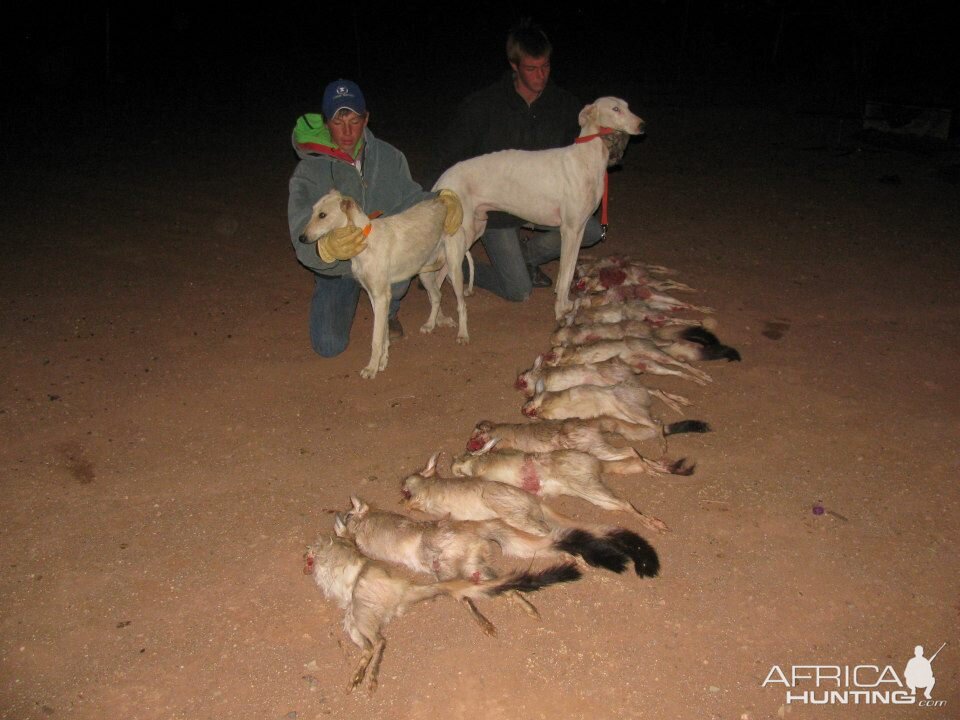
x: 307, y: 241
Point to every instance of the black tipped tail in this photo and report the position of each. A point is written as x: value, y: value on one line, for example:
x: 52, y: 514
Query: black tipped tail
x: 720, y: 352
x: 533, y: 581
x: 713, y: 349
x: 595, y: 551
x: 686, y: 426
x: 645, y: 560
x: 700, y: 335
x: 680, y: 467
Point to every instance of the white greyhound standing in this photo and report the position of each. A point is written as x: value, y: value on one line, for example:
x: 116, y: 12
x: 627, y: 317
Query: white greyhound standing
x: 558, y: 187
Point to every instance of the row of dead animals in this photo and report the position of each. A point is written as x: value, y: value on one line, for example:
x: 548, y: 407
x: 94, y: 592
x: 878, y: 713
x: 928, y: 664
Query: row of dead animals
x: 591, y: 410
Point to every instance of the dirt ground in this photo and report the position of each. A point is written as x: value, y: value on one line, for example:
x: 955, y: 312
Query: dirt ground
x: 171, y: 443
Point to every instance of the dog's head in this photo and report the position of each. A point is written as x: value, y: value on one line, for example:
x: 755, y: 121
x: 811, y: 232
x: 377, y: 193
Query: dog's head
x: 330, y: 212
x: 613, y: 113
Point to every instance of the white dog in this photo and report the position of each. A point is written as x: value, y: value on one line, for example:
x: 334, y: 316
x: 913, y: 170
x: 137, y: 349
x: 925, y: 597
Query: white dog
x: 559, y: 187
x: 398, y: 247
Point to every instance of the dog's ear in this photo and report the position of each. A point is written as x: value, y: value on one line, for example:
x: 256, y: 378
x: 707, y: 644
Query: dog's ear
x: 340, y: 525
x: 538, y: 362
x: 541, y: 386
x: 346, y: 204
x: 588, y: 115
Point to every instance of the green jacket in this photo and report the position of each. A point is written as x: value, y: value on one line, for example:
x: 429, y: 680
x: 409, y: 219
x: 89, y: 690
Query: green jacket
x: 385, y: 183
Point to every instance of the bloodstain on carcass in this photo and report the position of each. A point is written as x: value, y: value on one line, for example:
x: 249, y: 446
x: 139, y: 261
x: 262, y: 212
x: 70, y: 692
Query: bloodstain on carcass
x: 529, y: 478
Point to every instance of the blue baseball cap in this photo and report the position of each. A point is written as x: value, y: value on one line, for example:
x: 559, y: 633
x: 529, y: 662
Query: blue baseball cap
x: 342, y: 94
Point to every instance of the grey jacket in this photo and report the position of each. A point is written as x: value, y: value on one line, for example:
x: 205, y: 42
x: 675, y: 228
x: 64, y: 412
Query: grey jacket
x: 385, y: 185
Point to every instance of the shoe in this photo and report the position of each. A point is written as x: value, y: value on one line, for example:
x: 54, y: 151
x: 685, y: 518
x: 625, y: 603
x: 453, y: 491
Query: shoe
x: 395, y: 329
x: 538, y: 278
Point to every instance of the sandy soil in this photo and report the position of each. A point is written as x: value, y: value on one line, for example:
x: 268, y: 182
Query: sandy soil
x: 170, y: 442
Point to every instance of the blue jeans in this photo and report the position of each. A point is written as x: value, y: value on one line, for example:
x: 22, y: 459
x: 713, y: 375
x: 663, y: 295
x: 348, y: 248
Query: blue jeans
x: 506, y: 275
x: 332, y: 308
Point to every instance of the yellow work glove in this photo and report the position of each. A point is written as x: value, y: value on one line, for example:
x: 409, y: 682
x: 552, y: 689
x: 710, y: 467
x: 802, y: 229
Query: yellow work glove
x: 341, y: 244
x: 454, y: 216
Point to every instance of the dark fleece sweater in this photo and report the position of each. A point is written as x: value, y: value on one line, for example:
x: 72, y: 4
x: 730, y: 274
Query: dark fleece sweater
x: 497, y: 118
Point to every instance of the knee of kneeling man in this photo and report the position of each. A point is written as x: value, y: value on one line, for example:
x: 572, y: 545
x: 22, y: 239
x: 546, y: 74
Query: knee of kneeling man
x: 328, y: 347
x: 517, y: 295
x: 589, y: 240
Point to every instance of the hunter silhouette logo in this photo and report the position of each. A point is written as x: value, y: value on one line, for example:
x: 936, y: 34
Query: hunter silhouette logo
x: 919, y: 673
x: 860, y: 684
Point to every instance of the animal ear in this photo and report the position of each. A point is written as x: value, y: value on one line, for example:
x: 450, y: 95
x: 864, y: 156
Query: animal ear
x: 346, y: 204
x: 359, y: 506
x: 486, y: 448
x: 431, y: 469
x: 587, y: 115
x: 339, y: 525
x: 538, y: 362
x: 540, y: 386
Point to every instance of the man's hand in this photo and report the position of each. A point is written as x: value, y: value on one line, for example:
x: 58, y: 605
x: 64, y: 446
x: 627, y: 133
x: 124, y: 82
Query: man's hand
x: 341, y: 244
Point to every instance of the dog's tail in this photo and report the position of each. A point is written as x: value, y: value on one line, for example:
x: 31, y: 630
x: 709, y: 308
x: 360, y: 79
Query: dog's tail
x: 469, y: 289
x: 453, y: 218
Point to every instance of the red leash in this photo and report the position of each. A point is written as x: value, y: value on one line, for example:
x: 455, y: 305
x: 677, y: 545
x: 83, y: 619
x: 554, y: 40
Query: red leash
x: 606, y: 179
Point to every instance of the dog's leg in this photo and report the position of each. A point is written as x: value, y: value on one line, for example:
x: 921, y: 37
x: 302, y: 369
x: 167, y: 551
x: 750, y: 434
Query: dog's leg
x: 570, y: 238
x: 455, y: 247
x: 469, y: 290
x: 431, y: 283
x: 380, y: 300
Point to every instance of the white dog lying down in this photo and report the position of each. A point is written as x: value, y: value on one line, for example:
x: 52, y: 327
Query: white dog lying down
x: 398, y: 247
x: 558, y: 187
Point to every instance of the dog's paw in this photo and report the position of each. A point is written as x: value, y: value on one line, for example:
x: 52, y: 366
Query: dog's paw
x: 368, y: 373
x: 427, y: 328
x: 561, y: 311
x: 444, y: 321
x: 463, y: 339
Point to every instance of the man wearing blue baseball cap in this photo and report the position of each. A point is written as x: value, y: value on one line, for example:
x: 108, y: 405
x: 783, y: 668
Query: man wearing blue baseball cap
x: 338, y: 151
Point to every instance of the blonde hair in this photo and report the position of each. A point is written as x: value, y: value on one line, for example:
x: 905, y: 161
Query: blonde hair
x: 527, y: 38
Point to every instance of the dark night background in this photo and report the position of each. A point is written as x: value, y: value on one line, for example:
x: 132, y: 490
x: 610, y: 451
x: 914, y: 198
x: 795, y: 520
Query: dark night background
x: 82, y: 72
x: 169, y: 442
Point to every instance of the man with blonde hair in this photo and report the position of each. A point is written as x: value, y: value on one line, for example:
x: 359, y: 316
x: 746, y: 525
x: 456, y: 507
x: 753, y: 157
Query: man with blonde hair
x: 522, y: 111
